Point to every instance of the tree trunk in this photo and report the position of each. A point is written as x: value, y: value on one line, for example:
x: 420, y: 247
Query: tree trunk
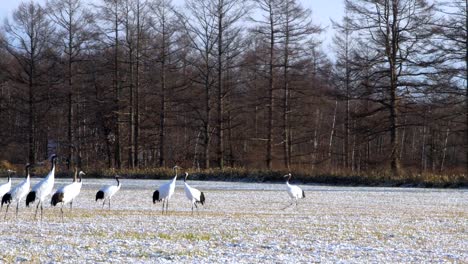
x: 220, y: 85
x: 117, y: 158
x: 332, y: 133
x: 394, y: 112
x: 162, y: 113
x: 270, y: 92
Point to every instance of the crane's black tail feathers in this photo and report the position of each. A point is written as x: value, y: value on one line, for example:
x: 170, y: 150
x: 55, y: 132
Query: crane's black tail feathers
x: 156, y: 197
x: 303, y: 194
x: 30, y: 198
x: 56, y: 198
x: 6, y: 199
x: 99, y: 195
x: 202, y: 198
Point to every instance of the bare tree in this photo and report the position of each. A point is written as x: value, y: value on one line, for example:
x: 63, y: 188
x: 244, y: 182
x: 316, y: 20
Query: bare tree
x: 228, y: 13
x: 268, y: 27
x: 74, y: 25
x: 164, y: 24
x: 296, y: 29
x: 451, y: 48
x: 200, y: 25
x: 398, y: 30
x: 27, y: 39
x: 111, y: 28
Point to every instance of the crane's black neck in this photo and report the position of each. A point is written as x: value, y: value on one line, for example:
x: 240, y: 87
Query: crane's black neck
x: 53, y: 162
x: 118, y: 182
x: 75, y: 176
x: 27, y: 170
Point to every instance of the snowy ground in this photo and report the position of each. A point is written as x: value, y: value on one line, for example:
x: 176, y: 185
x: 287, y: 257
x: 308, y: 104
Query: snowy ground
x: 245, y: 223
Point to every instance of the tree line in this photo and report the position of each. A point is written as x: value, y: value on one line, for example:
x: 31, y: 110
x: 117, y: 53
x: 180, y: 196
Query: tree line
x: 232, y: 83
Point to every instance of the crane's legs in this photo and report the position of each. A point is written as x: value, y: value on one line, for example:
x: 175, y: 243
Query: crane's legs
x: 291, y: 204
x: 37, y: 208
x: 109, y: 203
x: 17, y: 206
x: 8, y: 205
x: 71, y: 206
x: 167, y: 205
x: 103, y: 203
x: 61, y: 211
x: 196, y: 206
x: 42, y: 209
x: 164, y: 200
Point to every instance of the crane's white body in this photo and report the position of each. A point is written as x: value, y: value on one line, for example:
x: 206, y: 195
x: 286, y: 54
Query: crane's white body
x: 294, y: 191
x: 6, y: 187
x: 70, y: 191
x: 17, y: 193
x: 106, y: 192
x: 165, y: 192
x: 42, y: 189
x: 193, y: 195
x: 45, y: 186
x: 110, y: 190
x: 21, y: 190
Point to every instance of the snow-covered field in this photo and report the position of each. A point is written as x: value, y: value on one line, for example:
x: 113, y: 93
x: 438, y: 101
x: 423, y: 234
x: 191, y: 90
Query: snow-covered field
x: 245, y: 223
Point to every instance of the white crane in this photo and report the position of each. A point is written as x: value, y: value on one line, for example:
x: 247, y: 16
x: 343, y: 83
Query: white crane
x: 43, y: 188
x: 107, y: 192
x: 194, y: 195
x: 165, y: 192
x: 17, y: 193
x: 69, y: 192
x: 294, y: 191
x: 6, y: 187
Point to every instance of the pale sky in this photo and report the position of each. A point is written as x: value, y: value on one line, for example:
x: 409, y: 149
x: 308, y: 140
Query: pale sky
x: 322, y: 12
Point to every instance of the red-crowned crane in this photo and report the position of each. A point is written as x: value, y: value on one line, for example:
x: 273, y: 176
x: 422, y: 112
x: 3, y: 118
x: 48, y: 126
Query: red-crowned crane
x: 294, y: 191
x: 6, y: 187
x: 17, y: 193
x: 194, y: 195
x: 165, y: 192
x: 107, y: 192
x: 43, y: 188
x: 69, y: 192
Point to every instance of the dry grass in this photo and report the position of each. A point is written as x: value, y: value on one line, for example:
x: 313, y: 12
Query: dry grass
x: 378, y: 177
x: 335, y: 177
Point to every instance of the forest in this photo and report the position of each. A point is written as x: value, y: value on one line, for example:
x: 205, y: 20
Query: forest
x: 222, y: 84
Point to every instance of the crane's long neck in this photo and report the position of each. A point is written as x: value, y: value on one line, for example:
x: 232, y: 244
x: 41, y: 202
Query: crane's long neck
x: 52, y: 166
x: 118, y: 182
x: 287, y: 181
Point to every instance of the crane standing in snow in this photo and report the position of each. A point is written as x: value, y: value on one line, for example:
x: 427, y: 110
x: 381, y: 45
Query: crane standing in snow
x: 107, y: 192
x: 43, y: 188
x: 69, y: 192
x: 6, y: 187
x: 194, y: 195
x: 17, y: 193
x: 165, y: 192
x: 294, y: 191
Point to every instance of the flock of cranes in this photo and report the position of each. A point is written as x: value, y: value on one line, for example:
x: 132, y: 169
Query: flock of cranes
x: 66, y: 194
